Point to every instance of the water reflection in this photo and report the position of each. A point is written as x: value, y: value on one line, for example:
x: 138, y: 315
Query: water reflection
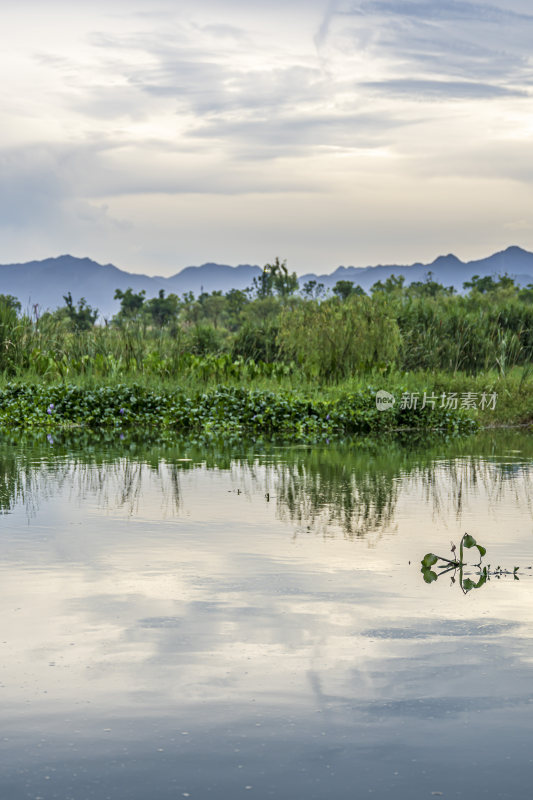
x: 354, y: 491
x: 165, y: 634
x: 114, y: 481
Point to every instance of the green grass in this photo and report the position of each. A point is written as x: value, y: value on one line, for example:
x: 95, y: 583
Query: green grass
x: 514, y: 404
x: 285, y: 406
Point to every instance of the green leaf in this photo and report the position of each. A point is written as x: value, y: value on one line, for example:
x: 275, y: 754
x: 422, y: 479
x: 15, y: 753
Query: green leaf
x: 429, y: 575
x: 468, y: 584
x: 469, y: 541
x: 482, y: 550
x: 429, y: 559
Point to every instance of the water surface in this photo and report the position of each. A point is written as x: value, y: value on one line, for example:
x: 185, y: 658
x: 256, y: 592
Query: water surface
x: 254, y: 623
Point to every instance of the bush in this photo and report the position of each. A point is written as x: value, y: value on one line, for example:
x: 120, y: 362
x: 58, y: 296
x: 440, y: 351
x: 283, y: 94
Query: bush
x: 335, y: 339
x: 257, y: 342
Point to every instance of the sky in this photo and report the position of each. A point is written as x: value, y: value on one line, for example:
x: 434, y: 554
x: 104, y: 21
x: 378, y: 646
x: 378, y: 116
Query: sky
x: 326, y: 132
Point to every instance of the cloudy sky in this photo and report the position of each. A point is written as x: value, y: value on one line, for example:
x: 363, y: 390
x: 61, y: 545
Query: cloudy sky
x: 166, y: 133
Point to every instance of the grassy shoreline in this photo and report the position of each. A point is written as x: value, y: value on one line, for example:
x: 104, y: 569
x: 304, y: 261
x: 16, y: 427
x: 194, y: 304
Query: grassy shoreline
x: 267, y: 409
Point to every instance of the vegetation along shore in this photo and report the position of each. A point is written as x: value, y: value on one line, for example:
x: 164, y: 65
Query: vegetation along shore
x: 275, y: 362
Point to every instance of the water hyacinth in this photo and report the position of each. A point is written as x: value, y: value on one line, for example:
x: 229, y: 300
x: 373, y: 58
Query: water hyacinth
x: 223, y: 411
x: 50, y: 440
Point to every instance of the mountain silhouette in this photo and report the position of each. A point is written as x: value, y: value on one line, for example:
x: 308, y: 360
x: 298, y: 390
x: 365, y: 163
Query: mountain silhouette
x: 448, y: 270
x: 45, y: 282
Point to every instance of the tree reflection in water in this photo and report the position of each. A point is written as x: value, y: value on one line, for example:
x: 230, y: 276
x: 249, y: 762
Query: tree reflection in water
x: 351, y: 490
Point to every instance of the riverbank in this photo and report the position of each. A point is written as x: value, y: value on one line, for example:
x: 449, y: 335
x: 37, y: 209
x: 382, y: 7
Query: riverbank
x: 454, y: 407
x: 286, y: 408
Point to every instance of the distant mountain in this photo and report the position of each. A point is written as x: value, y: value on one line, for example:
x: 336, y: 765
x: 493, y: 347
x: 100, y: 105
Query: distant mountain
x: 448, y: 270
x: 45, y: 282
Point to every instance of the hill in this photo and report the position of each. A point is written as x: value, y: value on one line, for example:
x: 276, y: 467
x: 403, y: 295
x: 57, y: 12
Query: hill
x: 45, y: 282
x: 448, y: 270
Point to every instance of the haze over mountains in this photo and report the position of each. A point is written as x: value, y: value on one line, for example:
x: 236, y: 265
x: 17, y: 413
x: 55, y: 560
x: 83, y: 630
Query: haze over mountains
x: 45, y: 282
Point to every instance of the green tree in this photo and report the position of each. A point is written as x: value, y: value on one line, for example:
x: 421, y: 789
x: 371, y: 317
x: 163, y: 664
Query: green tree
x: 7, y: 301
x: 393, y: 285
x: 236, y: 302
x: 275, y: 279
x: 285, y: 282
x: 82, y: 317
x: 312, y: 290
x: 488, y: 284
x: 429, y: 288
x: 131, y: 303
x: 345, y: 289
x: 214, y: 307
x: 526, y: 293
x: 162, y: 310
x: 262, y: 285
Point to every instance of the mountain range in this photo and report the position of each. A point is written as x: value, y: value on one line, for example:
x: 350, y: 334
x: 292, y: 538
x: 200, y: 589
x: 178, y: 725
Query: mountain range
x: 45, y: 282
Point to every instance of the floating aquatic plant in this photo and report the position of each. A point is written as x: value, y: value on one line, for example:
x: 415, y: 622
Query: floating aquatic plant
x: 456, y: 565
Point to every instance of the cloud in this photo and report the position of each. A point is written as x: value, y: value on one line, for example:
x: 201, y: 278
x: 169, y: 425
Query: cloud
x: 127, y: 115
x: 275, y: 107
x: 477, y: 158
x: 279, y: 105
x: 467, y: 39
x: 442, y: 89
x: 299, y: 135
x: 323, y: 29
x: 225, y: 32
x: 53, y: 186
x: 449, y: 10
x: 197, y: 72
x: 270, y: 109
x: 214, y: 79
